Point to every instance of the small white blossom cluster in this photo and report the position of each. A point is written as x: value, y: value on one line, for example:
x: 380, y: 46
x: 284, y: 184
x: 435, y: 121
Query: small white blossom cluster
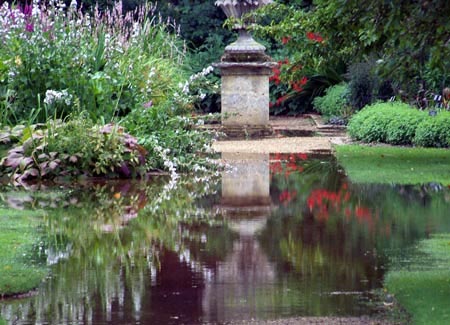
x: 201, y: 74
x: 56, y: 97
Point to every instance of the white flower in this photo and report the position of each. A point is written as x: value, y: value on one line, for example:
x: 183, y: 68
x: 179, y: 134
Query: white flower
x: 54, y: 96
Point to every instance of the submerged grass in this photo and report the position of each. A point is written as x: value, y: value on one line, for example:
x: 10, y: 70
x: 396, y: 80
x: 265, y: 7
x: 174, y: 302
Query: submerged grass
x: 423, y: 288
x: 20, y: 267
x: 400, y: 165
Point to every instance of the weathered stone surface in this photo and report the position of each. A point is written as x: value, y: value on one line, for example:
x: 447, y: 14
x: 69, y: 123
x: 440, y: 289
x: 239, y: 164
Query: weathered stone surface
x: 245, y: 100
x: 247, y: 181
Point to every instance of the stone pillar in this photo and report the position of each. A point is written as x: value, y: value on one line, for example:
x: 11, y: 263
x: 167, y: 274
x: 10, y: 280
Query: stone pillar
x: 245, y: 98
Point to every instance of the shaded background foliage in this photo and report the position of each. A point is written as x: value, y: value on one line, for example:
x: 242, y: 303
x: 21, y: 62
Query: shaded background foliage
x: 409, y: 40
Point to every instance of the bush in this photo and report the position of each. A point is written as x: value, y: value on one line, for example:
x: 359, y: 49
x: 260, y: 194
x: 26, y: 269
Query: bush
x: 72, y: 149
x: 372, y: 123
x: 61, y: 61
x: 362, y: 83
x: 434, y: 131
x: 402, y: 129
x: 334, y: 103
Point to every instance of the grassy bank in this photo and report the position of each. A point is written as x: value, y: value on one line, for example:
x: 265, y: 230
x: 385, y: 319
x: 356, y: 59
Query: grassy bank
x: 400, y: 165
x: 422, y: 286
x: 20, y: 267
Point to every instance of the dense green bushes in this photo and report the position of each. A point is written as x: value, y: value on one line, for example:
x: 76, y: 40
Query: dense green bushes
x: 61, y: 63
x: 334, y: 104
x: 400, y: 124
x: 434, y: 131
x: 96, y: 73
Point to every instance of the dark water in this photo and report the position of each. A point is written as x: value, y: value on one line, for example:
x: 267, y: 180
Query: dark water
x: 277, y: 236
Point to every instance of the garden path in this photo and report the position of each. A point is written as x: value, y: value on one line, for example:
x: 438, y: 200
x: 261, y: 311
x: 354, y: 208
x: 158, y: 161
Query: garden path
x: 306, y: 134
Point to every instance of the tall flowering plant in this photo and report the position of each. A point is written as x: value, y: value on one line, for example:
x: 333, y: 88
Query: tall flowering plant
x: 100, y: 63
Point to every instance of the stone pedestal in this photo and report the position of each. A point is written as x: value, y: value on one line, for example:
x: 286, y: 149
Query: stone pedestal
x: 245, y: 98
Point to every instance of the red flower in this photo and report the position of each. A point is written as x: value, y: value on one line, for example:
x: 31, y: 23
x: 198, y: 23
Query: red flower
x: 302, y: 156
x: 287, y: 196
x: 285, y: 39
x: 314, y: 37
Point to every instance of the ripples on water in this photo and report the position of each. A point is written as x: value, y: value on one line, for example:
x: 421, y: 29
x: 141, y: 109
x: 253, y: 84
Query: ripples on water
x: 276, y: 236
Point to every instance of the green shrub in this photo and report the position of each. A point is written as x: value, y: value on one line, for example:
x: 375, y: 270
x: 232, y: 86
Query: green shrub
x: 158, y: 130
x: 372, y: 123
x: 73, y: 149
x: 402, y: 129
x: 334, y: 103
x: 60, y: 61
x: 362, y: 83
x: 434, y: 131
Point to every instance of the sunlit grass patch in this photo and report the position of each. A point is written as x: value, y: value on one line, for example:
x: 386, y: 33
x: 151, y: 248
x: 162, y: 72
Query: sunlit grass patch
x: 20, y: 268
x: 400, y: 165
x: 423, y: 286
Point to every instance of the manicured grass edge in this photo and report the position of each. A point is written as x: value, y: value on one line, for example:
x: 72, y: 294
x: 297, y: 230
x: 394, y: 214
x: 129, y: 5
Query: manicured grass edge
x: 400, y: 165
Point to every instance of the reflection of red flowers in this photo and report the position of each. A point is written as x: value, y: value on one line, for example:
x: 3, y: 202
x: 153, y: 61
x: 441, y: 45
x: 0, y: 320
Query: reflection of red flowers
x: 321, y: 200
x: 286, y: 163
x: 314, y: 37
x: 286, y: 196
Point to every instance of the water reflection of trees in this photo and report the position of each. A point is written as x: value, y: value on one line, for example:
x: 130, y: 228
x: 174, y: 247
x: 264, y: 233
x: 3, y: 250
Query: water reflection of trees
x: 112, y: 245
x: 106, y: 241
x: 335, y: 234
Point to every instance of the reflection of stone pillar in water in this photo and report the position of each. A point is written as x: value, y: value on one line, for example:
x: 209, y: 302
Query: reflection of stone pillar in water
x: 248, y: 183
x: 246, y: 276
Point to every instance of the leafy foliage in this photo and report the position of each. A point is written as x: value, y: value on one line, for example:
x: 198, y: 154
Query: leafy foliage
x: 434, y: 131
x: 173, y: 142
x: 361, y: 85
x: 402, y: 129
x: 334, y: 103
x: 393, y: 123
x: 398, y: 123
x: 73, y: 149
x: 410, y: 39
x: 120, y: 62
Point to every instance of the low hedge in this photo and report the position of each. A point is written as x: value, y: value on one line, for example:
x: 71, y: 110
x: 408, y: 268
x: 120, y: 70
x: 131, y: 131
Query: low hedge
x: 402, y: 128
x: 434, y: 131
x: 400, y: 124
x: 334, y: 104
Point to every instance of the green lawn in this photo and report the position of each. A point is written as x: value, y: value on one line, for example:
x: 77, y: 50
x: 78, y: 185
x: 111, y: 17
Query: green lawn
x: 21, y: 269
x: 400, y: 165
x: 422, y: 286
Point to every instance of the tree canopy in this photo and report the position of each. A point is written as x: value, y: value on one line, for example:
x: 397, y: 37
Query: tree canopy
x: 409, y: 40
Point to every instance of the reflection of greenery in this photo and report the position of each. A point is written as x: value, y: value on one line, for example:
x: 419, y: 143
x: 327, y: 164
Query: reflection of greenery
x: 422, y: 286
x: 21, y: 268
x: 390, y: 165
x: 107, y: 242
x: 338, y: 233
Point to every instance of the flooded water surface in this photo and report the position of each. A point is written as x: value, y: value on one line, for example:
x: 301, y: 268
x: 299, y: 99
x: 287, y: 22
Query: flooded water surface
x: 274, y: 236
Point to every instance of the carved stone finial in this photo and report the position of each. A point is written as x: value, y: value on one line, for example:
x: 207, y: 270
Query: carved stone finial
x: 238, y: 8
